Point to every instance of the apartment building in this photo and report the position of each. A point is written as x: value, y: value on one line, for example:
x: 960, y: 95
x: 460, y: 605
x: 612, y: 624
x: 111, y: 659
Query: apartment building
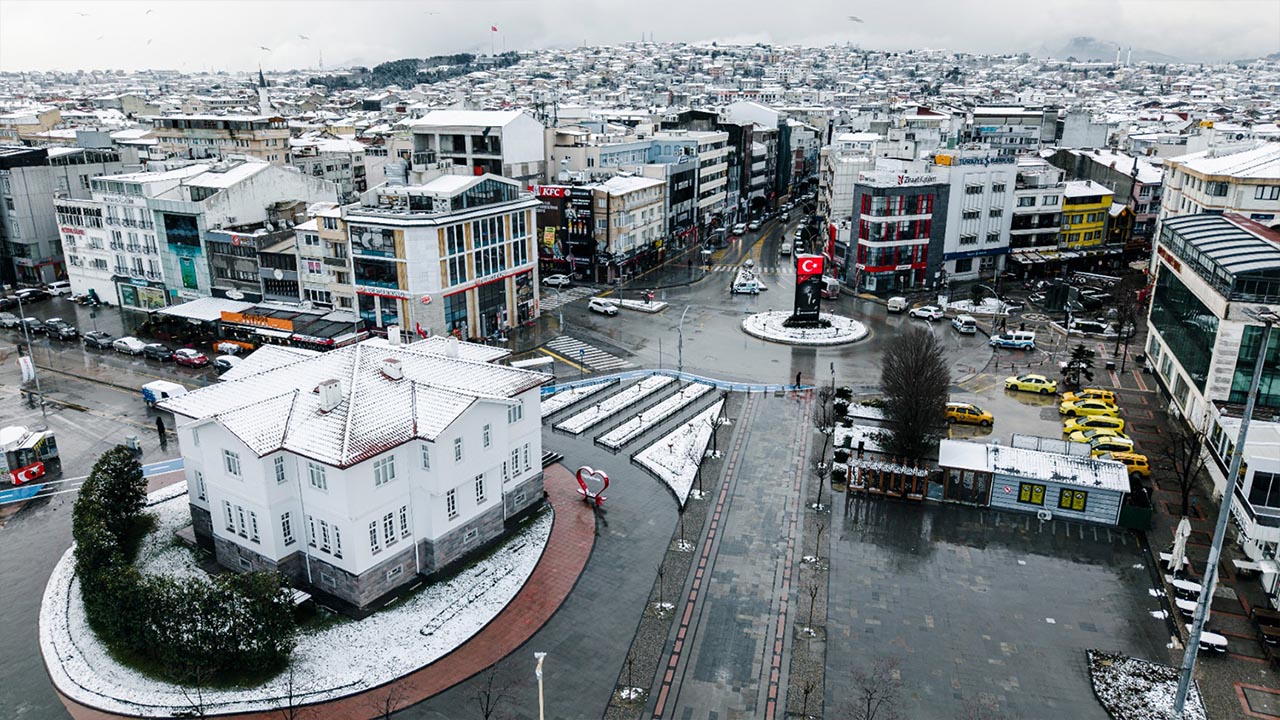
x: 341, y: 162
x: 1136, y: 183
x: 1012, y: 131
x: 1240, y: 179
x: 203, y: 137
x: 710, y: 150
x: 1037, y: 210
x: 506, y: 143
x: 631, y: 222
x: 979, y: 210
x: 897, y: 240
x: 454, y: 255
x: 31, y: 181
x: 324, y: 259
x: 1086, y: 206
x: 384, y: 463
x: 24, y: 123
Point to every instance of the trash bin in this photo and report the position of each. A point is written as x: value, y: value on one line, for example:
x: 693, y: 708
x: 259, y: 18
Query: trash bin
x: 1111, y: 365
x: 131, y: 442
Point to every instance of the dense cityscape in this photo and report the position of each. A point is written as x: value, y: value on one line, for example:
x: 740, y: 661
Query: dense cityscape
x: 643, y: 380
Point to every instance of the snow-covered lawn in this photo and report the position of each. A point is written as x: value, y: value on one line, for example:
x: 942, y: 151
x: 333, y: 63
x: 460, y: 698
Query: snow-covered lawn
x: 656, y: 306
x: 642, y: 422
x: 849, y: 437
x: 869, y: 412
x: 675, y: 457
x: 614, y: 404
x: 1133, y: 689
x: 339, y: 660
x: 768, y: 326
x: 558, y: 401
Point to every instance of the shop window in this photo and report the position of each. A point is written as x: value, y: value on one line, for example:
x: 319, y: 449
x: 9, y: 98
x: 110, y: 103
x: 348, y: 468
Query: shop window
x: 1073, y: 500
x: 1031, y: 493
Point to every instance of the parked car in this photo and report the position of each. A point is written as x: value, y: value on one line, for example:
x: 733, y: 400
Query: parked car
x: 1084, y: 436
x: 560, y: 281
x: 745, y: 287
x: 968, y: 413
x: 753, y: 225
x: 1137, y: 463
x: 8, y: 320
x: 33, y: 325
x: 1015, y: 339
x: 965, y: 324
x: 738, y: 229
x: 1090, y: 394
x: 129, y: 345
x: 190, y: 358
x: 932, y: 313
x: 8, y: 301
x: 157, y: 351
x: 59, y: 329
x: 98, y: 339
x: 59, y: 288
x: 31, y: 294
x: 223, y: 363
x: 1110, y: 444
x: 602, y: 306
x: 1031, y: 383
x: 1088, y: 407
x: 1091, y: 421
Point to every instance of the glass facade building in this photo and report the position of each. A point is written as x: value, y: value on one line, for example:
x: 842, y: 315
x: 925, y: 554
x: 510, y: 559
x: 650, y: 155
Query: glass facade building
x: 1187, y: 327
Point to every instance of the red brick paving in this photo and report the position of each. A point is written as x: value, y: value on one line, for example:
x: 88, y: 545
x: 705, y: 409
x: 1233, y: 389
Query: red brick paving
x: 565, y: 556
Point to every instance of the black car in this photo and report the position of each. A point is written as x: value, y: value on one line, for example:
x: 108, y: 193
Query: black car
x: 8, y: 301
x: 33, y: 325
x: 59, y: 329
x: 31, y: 294
x: 98, y: 339
x: 157, y: 351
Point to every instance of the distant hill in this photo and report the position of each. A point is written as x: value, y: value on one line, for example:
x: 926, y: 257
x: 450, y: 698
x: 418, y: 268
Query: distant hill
x: 1088, y: 48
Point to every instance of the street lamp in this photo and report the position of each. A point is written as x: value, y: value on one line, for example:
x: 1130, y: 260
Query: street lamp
x: 680, y: 347
x: 1268, y: 319
x: 26, y: 335
x: 538, y: 671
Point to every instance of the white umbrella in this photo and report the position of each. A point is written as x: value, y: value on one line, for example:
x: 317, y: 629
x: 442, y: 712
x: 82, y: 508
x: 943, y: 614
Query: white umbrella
x: 1179, y: 545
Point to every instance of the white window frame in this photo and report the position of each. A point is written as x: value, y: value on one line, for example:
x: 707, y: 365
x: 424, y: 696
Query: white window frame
x: 253, y: 527
x: 384, y: 470
x: 457, y: 450
x: 231, y: 463
x: 480, y: 490
x: 231, y: 518
x: 201, y: 493
x: 426, y: 456
x: 451, y: 504
x: 515, y: 462
x: 389, y: 536
x: 278, y: 464
x: 487, y: 435
x: 527, y: 465
x: 316, y: 476
x: 241, y: 528
x: 374, y: 546
x: 404, y: 521
x: 286, y: 526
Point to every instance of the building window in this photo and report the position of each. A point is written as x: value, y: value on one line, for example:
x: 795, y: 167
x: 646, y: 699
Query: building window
x: 1031, y: 493
x: 1267, y: 192
x: 515, y: 413
x: 279, y: 466
x: 1264, y: 490
x: 993, y: 237
x: 253, y: 526
x: 515, y: 461
x: 384, y: 471
x: 527, y: 466
x: 311, y: 531
x: 480, y: 498
x: 1050, y: 200
x: 1188, y: 328
x: 972, y: 189
x: 997, y: 188
x: 315, y: 474
x: 337, y: 542
x: 1072, y: 500
x: 241, y: 528
x: 451, y: 504
x: 457, y: 449
x: 1246, y: 359
x: 200, y: 491
x: 374, y: 546
x: 231, y: 461
x: 231, y: 520
x: 395, y: 572
x: 1026, y: 202
x: 488, y: 437
x: 426, y: 457
x: 389, y: 529
x: 324, y: 537
x: 286, y: 526
x: 404, y: 521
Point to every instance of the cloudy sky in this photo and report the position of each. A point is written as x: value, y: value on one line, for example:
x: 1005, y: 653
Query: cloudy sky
x: 284, y: 34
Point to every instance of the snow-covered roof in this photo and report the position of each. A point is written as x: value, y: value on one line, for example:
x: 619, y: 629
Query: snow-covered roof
x: 267, y: 357
x: 1085, y: 188
x: 205, y: 308
x: 1262, y: 162
x: 465, y: 118
x: 622, y: 185
x: 229, y: 177
x: 279, y: 408
x: 1034, y: 465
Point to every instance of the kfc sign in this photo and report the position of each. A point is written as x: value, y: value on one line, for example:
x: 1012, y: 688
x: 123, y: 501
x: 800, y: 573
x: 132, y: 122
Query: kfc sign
x: 552, y: 191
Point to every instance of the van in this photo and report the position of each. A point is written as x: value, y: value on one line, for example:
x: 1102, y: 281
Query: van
x: 897, y: 304
x: 784, y: 249
x: 965, y: 324
x: 159, y: 390
x: 746, y: 287
x: 60, y: 287
x: 1017, y: 339
x: 830, y: 288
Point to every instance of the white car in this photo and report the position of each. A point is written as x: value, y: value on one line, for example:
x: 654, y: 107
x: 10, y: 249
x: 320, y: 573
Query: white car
x: 602, y: 306
x: 753, y: 225
x: 738, y: 229
x: 560, y: 281
x: 784, y: 249
x: 59, y: 287
x: 128, y: 345
x: 932, y: 313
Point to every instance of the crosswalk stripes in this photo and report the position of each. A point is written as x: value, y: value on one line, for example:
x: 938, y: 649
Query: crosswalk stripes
x: 580, y: 352
x: 783, y: 270
x: 550, y: 298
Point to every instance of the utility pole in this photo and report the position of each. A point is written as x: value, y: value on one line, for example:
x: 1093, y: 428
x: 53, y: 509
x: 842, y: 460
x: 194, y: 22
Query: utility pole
x: 680, y: 347
x: 35, y: 373
x: 1268, y: 319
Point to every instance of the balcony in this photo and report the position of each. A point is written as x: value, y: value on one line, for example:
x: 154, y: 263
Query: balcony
x: 335, y: 262
x: 133, y: 248
x: 116, y: 245
x: 1257, y: 524
x: 154, y: 275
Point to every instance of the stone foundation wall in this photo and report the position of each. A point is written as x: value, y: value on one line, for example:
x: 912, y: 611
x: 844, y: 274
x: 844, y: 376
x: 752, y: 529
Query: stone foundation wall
x: 523, y: 496
x: 461, y: 540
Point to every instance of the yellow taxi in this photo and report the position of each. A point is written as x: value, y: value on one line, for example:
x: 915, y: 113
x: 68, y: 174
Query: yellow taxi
x: 1031, y: 383
x: 1090, y: 394
x: 1084, y: 436
x: 1088, y: 407
x: 1111, y: 444
x: 1137, y: 463
x: 968, y: 413
x: 1091, y: 421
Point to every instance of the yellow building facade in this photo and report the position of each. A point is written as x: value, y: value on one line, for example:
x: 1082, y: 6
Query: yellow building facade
x: 1085, y: 208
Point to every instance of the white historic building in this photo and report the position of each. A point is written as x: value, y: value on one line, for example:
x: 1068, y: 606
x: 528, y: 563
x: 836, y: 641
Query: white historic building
x: 355, y: 471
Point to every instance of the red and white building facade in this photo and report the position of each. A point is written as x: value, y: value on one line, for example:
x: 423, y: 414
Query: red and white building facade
x: 894, y: 241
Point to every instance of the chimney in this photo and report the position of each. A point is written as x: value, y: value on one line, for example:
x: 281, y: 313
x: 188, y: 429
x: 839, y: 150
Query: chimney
x: 393, y: 334
x: 330, y: 395
x: 451, y: 347
x: 391, y: 369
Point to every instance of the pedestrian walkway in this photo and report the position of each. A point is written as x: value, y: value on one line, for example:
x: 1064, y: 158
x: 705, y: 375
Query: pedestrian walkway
x: 576, y: 351
x: 550, y: 298
x: 565, y: 556
x: 771, y: 270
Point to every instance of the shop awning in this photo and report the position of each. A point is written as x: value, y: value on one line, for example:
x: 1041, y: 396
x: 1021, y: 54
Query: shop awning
x: 205, y: 309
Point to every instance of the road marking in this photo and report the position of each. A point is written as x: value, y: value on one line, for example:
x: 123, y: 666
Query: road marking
x: 564, y: 360
x: 589, y: 355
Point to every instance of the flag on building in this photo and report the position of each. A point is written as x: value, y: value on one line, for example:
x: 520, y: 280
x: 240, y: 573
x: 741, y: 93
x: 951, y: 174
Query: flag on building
x: 493, y: 28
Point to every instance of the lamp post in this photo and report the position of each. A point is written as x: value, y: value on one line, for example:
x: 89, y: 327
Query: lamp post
x: 680, y: 347
x: 1268, y: 318
x: 538, y: 671
x: 26, y: 336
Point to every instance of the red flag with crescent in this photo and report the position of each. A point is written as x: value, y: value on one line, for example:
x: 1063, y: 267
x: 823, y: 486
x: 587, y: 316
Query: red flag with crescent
x: 807, y: 266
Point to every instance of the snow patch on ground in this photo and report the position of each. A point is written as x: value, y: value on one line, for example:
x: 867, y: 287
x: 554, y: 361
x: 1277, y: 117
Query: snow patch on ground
x: 1133, y: 689
x: 615, y: 403
x: 675, y: 457
x: 161, y: 553
x: 656, y: 306
x: 558, y: 401
x: 643, y: 422
x: 345, y: 658
x: 848, y: 437
x: 768, y: 326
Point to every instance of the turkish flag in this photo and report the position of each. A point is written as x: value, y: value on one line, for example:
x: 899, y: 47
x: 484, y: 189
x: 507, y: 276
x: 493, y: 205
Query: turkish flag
x: 807, y: 266
x: 493, y: 28
x: 27, y: 474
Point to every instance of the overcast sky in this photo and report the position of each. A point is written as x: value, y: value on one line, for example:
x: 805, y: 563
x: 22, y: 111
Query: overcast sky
x: 223, y: 34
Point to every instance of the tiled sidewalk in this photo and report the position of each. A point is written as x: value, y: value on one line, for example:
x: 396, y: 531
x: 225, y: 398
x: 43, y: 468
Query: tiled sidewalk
x: 565, y: 556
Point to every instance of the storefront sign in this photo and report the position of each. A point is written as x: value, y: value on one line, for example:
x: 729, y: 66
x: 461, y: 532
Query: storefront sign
x: 71, y: 230
x: 953, y: 160
x: 1169, y: 258
x: 257, y: 320
x: 551, y: 191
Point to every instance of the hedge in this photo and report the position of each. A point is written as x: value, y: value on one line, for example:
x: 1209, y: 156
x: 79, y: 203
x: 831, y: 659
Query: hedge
x: 185, y: 630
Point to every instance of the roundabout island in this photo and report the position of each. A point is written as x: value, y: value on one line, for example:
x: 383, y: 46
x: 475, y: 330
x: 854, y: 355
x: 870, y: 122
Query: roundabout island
x: 831, y: 329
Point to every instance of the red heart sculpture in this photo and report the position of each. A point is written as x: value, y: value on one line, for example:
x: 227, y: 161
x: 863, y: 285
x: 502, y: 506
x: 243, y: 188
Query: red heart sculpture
x: 585, y: 473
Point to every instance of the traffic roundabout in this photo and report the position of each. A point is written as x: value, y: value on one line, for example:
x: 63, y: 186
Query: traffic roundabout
x: 831, y: 329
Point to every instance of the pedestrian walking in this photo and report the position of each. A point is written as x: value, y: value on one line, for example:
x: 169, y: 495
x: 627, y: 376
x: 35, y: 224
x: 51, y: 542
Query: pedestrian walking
x: 164, y: 439
x: 797, y: 381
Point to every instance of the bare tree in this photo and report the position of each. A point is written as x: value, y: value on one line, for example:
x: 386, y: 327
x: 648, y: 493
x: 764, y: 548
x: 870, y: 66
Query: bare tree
x: 491, y: 695
x: 806, y: 689
x: 877, y: 693
x: 193, y: 692
x: 385, y: 701
x: 1184, y: 449
x: 817, y: 545
x: 915, y: 380
x: 821, y: 471
x: 824, y: 418
x: 661, y: 573
x: 812, y: 590
x: 1130, y: 306
x: 291, y: 709
x: 696, y: 455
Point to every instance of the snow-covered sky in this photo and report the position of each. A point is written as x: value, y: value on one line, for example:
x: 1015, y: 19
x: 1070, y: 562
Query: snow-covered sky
x: 283, y: 34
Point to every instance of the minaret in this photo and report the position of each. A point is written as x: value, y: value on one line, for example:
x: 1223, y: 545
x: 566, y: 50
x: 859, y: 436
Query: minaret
x: 264, y: 105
